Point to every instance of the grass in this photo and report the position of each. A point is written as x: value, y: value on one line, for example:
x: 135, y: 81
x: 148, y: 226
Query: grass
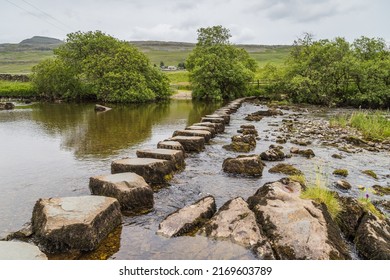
x: 16, y: 89
x: 318, y: 192
x: 373, y: 125
x: 369, y: 207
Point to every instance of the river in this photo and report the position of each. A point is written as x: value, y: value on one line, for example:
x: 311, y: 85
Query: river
x: 50, y: 150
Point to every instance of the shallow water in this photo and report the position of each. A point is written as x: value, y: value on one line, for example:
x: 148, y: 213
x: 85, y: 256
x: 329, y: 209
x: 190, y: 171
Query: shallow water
x: 52, y: 150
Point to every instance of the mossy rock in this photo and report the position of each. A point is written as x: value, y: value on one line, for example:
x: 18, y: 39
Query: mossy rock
x: 287, y: 169
x: 370, y: 173
x: 381, y: 191
x: 341, y: 172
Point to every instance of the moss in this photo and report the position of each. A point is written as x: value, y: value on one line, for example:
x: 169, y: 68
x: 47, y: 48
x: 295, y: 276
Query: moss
x: 298, y: 178
x: 381, y: 191
x: 287, y: 169
x: 341, y: 172
x: 168, y: 177
x: 370, y: 173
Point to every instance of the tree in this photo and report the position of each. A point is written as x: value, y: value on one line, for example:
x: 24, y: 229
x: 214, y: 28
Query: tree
x: 218, y: 70
x: 96, y: 65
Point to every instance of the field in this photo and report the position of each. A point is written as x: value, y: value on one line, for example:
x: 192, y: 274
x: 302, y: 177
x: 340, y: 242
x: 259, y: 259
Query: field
x: 16, y: 59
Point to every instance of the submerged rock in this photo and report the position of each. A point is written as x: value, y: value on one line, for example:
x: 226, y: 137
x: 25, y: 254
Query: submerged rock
x: 370, y: 173
x: 130, y: 189
x: 373, y: 238
x: 154, y: 171
x: 287, y: 169
x: 61, y: 224
x: 245, y: 165
x: 10, y: 250
x: 234, y: 221
x: 297, y: 228
x: 101, y: 108
x: 188, y: 219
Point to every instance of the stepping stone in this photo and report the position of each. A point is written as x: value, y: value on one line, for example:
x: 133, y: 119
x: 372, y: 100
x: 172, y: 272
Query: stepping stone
x: 213, y: 120
x: 176, y: 156
x: 219, y: 127
x: 10, y: 250
x: 202, y: 133
x: 198, y: 127
x: 190, y: 143
x: 154, y: 171
x: 224, y: 116
x: 65, y: 223
x: 130, y: 189
x: 172, y: 145
x: 188, y: 218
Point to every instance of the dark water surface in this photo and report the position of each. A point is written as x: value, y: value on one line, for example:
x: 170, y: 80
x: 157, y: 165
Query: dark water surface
x: 51, y: 150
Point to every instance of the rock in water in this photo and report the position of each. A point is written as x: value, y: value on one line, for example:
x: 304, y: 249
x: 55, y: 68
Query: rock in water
x: 287, y: 169
x: 273, y: 154
x: 10, y: 250
x: 236, y: 222
x: 373, y: 238
x: 201, y: 133
x: 172, y: 145
x: 350, y: 216
x: 130, y: 189
x: 101, y: 108
x: 246, y: 165
x: 297, y: 228
x: 190, y: 143
x: 61, y: 224
x: 154, y: 171
x: 176, y: 156
x: 188, y: 218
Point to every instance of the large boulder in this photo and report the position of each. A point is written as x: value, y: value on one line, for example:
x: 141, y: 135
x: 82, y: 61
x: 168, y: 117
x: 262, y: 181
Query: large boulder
x: 20, y: 251
x: 373, y: 238
x: 201, y: 133
x: 188, y: 219
x: 130, y: 189
x: 226, y: 117
x: 273, y: 154
x: 190, y: 143
x: 213, y: 120
x: 245, y: 165
x: 350, y: 216
x: 61, y: 224
x: 297, y: 228
x: 234, y: 221
x: 154, y: 171
x: 176, y: 156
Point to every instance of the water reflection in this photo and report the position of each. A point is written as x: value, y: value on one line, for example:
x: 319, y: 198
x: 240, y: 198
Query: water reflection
x: 88, y: 133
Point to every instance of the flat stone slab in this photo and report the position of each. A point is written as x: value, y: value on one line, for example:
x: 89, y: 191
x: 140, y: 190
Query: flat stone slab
x: 130, y: 189
x: 10, y: 250
x: 176, y: 156
x: 203, y: 128
x: 190, y: 143
x: 234, y: 221
x: 188, y: 218
x: 172, y: 145
x: 202, y: 133
x: 154, y: 171
x: 64, y: 223
x: 226, y: 117
x: 213, y: 120
x: 245, y: 165
x: 219, y: 127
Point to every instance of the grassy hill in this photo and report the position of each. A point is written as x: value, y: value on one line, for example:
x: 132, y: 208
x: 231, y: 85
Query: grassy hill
x: 20, y: 58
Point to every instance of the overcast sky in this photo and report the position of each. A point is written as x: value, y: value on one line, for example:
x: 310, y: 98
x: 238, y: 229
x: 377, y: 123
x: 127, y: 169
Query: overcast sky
x: 250, y: 21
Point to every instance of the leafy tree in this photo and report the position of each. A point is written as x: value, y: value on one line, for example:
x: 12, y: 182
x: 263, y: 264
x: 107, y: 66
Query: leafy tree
x: 95, y: 65
x: 218, y: 70
x: 334, y: 72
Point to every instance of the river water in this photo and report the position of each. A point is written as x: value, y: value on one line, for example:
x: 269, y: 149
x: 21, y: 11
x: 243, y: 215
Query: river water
x: 50, y: 150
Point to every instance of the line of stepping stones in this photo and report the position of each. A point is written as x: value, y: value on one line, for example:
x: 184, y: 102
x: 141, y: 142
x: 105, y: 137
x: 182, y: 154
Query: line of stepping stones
x: 81, y: 223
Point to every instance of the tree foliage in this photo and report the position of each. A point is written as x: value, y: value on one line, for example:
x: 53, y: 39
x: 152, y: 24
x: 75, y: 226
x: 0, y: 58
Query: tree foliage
x: 335, y: 72
x: 218, y: 70
x: 95, y: 65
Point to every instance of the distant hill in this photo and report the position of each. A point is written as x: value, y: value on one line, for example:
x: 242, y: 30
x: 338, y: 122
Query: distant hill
x: 40, y: 40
